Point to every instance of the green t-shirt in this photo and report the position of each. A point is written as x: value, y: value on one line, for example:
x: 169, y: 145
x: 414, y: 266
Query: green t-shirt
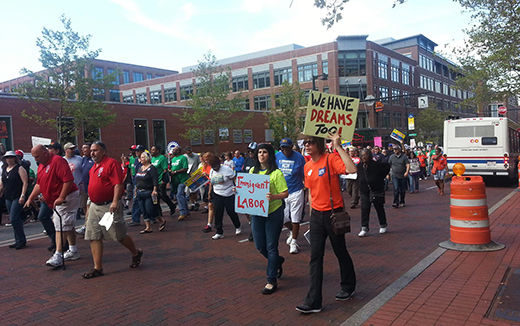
x: 277, y: 184
x: 178, y: 163
x: 131, y: 160
x: 161, y: 164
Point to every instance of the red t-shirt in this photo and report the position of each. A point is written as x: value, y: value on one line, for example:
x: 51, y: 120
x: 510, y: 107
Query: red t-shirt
x: 104, y: 176
x: 317, y: 180
x: 51, y: 178
x: 422, y: 159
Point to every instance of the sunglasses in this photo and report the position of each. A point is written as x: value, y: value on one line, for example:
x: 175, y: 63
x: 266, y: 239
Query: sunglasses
x: 309, y: 142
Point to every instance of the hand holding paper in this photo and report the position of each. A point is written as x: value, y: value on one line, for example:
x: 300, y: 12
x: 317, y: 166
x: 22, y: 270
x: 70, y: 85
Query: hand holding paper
x: 107, y: 220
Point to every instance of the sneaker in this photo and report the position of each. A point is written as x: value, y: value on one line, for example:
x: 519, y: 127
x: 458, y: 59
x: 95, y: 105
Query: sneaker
x: 55, y: 261
x: 81, y: 229
x: 344, y: 295
x: 289, y: 239
x: 217, y: 236
x: 382, y: 230
x: 71, y: 255
x: 363, y: 232
x: 403, y: 205
x: 307, y: 309
x: 394, y: 205
x: 238, y: 231
x: 182, y: 217
x: 294, y: 247
x: 206, y: 229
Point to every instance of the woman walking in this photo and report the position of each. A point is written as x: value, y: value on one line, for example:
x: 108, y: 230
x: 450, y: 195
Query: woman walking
x: 13, y: 184
x: 415, y: 172
x: 266, y: 230
x: 147, y: 182
x: 321, y: 177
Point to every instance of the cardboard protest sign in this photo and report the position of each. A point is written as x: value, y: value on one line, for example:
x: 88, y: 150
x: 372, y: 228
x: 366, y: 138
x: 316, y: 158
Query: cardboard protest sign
x: 40, y: 141
x: 378, y: 141
x: 329, y: 113
x: 397, y: 135
x: 196, y: 180
x: 251, y: 192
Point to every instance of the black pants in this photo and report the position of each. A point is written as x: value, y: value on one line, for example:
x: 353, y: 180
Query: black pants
x: 164, y: 197
x: 221, y: 202
x: 379, y: 204
x: 320, y: 230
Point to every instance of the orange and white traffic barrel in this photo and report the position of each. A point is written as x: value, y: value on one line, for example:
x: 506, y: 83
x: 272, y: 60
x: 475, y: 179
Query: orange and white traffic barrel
x: 469, y: 220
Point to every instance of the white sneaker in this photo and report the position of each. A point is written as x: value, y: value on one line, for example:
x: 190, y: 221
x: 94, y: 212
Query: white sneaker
x: 217, y: 236
x: 55, y: 261
x: 71, y: 255
x: 363, y: 232
x: 81, y: 230
x: 238, y: 231
x: 294, y: 247
x: 289, y: 239
x: 382, y: 230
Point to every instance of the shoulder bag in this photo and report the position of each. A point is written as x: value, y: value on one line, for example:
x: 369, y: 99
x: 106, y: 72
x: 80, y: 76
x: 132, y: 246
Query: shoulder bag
x: 339, y: 220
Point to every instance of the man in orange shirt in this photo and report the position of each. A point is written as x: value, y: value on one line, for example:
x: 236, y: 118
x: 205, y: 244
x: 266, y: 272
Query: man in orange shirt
x: 439, y: 170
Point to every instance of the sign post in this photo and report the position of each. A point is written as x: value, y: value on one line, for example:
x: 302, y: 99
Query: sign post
x: 411, y: 122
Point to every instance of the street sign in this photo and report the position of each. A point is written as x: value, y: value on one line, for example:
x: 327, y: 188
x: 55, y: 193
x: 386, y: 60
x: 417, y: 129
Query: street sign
x: 412, y: 135
x: 502, y: 110
x: 423, y: 102
x: 411, y: 122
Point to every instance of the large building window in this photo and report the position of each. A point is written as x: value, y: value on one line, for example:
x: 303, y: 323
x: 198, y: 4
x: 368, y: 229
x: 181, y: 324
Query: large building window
x: 148, y: 75
x: 209, y: 137
x: 138, y: 76
x: 262, y: 103
x: 114, y: 95
x: 141, y: 132
x: 383, y: 94
x: 352, y: 63
x: 426, y: 63
x: 437, y: 86
x: 405, y: 74
x: 357, y: 91
x: 186, y: 92
x: 97, y: 73
x: 98, y: 94
x: 382, y: 67
x: 396, y: 99
x: 112, y: 73
x: 141, y: 98
x: 406, y: 98
x: 155, y: 97
x: 126, y: 77
x: 282, y: 75
x: 325, y: 67
x: 240, y: 83
x: 305, y: 72
x: 170, y: 95
x: 159, y: 133
x: 386, y: 120
x: 394, y: 72
x: 128, y: 99
x: 245, y: 105
x: 261, y: 80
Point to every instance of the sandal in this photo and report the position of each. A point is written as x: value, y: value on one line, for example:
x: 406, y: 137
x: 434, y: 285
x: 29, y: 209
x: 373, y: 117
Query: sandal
x: 93, y: 273
x: 145, y: 231
x: 136, y: 260
x: 162, y: 227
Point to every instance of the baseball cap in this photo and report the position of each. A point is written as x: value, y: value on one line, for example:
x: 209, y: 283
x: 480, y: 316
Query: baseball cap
x: 252, y: 146
x: 53, y: 145
x: 19, y: 153
x: 140, y: 148
x: 133, y: 147
x: 69, y: 146
x: 286, y: 142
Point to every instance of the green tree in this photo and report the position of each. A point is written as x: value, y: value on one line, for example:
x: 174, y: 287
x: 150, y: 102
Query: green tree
x: 212, y: 107
x: 477, y: 81
x: 285, y: 117
x: 430, y: 124
x: 68, y: 80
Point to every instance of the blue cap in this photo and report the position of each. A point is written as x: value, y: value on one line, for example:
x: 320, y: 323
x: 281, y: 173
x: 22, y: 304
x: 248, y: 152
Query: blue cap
x: 286, y: 142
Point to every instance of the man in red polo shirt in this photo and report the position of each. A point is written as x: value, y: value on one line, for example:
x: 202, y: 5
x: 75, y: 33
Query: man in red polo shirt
x: 105, y: 190
x: 56, y: 183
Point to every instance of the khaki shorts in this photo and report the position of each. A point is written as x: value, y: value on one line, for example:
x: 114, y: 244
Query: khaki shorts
x: 94, y: 231
x: 67, y: 211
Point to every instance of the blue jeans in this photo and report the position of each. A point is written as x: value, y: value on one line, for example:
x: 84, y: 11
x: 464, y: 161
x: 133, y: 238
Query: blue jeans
x: 45, y: 217
x: 144, y: 198
x: 414, y: 182
x: 181, y: 199
x: 15, y: 211
x: 266, y: 234
x: 399, y: 189
x: 136, y: 210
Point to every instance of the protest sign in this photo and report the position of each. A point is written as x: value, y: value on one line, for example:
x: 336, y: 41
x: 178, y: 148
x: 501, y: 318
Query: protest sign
x: 40, y: 141
x: 328, y: 113
x: 397, y: 135
x: 378, y: 141
x: 251, y: 194
x: 196, y: 180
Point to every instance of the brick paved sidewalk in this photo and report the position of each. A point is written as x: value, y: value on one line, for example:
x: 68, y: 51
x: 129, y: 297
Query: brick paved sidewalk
x: 459, y: 288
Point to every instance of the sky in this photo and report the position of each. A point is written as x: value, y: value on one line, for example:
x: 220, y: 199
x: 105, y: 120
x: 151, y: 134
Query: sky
x: 172, y: 34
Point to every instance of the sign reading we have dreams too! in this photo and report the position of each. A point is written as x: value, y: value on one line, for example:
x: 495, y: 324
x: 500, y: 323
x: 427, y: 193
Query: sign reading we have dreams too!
x: 328, y: 114
x: 251, y: 194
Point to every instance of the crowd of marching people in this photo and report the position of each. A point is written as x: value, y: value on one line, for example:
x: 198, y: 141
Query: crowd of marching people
x: 74, y: 182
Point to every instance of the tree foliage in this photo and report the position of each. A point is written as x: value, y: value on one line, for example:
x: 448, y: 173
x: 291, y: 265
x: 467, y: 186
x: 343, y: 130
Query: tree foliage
x: 285, y: 117
x: 430, y: 124
x: 211, y: 107
x: 68, y: 80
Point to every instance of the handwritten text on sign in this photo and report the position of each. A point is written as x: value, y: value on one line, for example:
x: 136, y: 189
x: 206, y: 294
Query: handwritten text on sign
x: 251, y: 194
x: 328, y: 113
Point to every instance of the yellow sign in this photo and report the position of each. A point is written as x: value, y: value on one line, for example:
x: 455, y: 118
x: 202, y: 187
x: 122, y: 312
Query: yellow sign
x: 328, y: 113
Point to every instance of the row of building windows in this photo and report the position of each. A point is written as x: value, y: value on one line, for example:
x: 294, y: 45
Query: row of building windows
x: 239, y: 136
x: 437, y: 86
x: 352, y: 63
x: 400, y: 72
x: 437, y: 67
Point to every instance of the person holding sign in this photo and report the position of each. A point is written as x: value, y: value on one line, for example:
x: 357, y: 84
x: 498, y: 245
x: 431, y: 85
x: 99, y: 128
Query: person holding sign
x: 266, y: 230
x: 318, y: 171
x: 222, y: 195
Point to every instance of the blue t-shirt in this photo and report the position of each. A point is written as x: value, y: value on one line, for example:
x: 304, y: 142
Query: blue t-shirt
x: 239, y: 163
x: 292, y: 169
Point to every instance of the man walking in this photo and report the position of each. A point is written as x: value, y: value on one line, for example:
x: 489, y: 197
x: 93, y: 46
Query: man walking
x: 136, y: 211
x: 161, y: 164
x: 56, y: 183
x: 179, y: 172
x: 291, y: 164
x: 193, y: 165
x: 399, y: 167
x: 105, y: 190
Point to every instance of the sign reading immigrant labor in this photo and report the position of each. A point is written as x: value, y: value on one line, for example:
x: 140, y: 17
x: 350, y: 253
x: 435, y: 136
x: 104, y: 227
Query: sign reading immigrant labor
x: 196, y: 180
x: 251, y: 194
x: 397, y: 135
x: 328, y: 113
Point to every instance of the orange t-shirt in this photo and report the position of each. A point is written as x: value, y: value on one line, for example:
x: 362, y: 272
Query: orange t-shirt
x: 206, y: 168
x: 439, y: 162
x: 317, y: 180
